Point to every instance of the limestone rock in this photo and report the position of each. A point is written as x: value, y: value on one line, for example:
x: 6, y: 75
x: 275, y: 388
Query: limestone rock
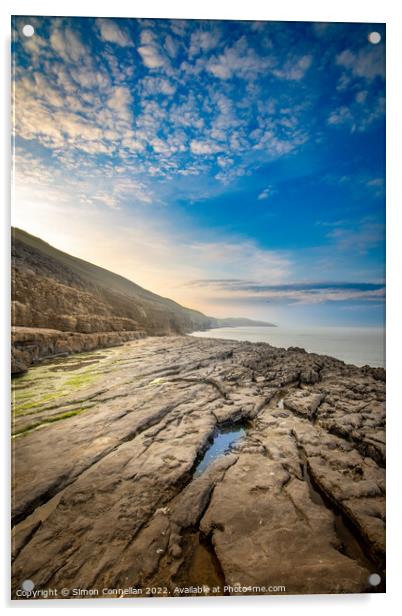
x: 106, y: 444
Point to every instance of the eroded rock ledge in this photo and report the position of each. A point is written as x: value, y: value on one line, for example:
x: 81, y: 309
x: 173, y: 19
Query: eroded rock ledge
x: 30, y: 345
x: 106, y: 445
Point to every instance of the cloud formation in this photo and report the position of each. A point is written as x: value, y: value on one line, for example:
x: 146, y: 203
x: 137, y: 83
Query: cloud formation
x: 163, y: 97
x: 266, y: 193
x: 222, y: 133
x: 300, y: 293
x: 110, y: 32
x: 367, y: 63
x: 76, y: 101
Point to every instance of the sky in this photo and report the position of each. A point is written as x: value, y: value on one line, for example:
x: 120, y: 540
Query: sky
x: 236, y: 167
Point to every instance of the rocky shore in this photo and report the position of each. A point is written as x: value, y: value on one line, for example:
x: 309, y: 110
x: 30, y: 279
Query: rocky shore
x: 30, y: 345
x: 105, y: 449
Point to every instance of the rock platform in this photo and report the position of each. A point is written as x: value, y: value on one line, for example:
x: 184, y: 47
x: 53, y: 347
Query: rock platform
x: 105, y: 447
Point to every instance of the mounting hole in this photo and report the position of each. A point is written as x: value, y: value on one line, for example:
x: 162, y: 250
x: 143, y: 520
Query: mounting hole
x: 28, y: 585
x: 28, y: 30
x: 374, y: 38
x: 374, y: 579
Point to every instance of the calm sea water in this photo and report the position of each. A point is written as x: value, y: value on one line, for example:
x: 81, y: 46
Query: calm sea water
x: 354, y: 345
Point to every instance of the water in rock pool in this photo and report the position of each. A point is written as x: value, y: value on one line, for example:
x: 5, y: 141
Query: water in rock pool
x: 224, y: 437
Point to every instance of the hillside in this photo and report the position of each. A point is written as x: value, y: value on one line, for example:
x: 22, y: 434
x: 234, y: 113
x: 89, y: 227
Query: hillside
x: 52, y: 290
x: 55, y: 290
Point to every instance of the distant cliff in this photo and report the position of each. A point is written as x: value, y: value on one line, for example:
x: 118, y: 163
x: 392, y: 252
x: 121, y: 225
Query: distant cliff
x: 52, y: 290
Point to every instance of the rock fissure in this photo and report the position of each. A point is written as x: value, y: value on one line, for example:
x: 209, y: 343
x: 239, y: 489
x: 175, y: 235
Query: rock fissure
x: 350, y: 542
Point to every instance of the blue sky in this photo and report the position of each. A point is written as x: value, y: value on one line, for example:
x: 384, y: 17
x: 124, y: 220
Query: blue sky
x: 237, y: 167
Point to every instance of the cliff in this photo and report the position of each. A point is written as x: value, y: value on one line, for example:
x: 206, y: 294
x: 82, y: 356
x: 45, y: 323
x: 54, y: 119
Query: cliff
x: 55, y: 290
x: 65, y: 304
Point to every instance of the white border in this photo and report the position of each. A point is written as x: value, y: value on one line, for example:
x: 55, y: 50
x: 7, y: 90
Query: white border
x: 387, y: 11
x: 287, y: 10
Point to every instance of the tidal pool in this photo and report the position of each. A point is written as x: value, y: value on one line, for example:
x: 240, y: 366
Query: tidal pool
x: 223, y: 438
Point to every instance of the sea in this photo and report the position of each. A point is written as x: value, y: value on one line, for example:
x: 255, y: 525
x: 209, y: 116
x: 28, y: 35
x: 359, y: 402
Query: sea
x: 360, y: 346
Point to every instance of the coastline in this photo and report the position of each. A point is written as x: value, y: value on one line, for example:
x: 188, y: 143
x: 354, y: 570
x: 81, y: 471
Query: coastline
x: 32, y: 345
x: 358, y: 346
x: 117, y: 499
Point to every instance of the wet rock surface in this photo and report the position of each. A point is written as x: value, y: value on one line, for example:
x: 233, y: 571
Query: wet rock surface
x: 106, y: 445
x: 30, y: 345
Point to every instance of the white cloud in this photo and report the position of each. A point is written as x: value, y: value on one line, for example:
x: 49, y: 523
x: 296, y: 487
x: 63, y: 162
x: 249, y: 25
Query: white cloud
x: 367, y: 236
x: 290, y: 293
x: 36, y: 46
x: 171, y: 46
x: 237, y: 257
x: 276, y: 146
x: 368, y: 63
x: 37, y: 181
x: 224, y: 161
x: 68, y: 45
x: 377, y: 187
x: 147, y: 36
x: 150, y: 50
x: 239, y: 60
x: 151, y: 56
x: 377, y: 182
x: 204, y: 147
x: 359, y: 116
x: 294, y: 69
x: 160, y: 146
x: 120, y: 101
x: 203, y: 41
x: 132, y: 142
x: 361, y: 96
x: 340, y: 116
x: 110, y: 32
x: 158, y: 85
x: 266, y: 193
